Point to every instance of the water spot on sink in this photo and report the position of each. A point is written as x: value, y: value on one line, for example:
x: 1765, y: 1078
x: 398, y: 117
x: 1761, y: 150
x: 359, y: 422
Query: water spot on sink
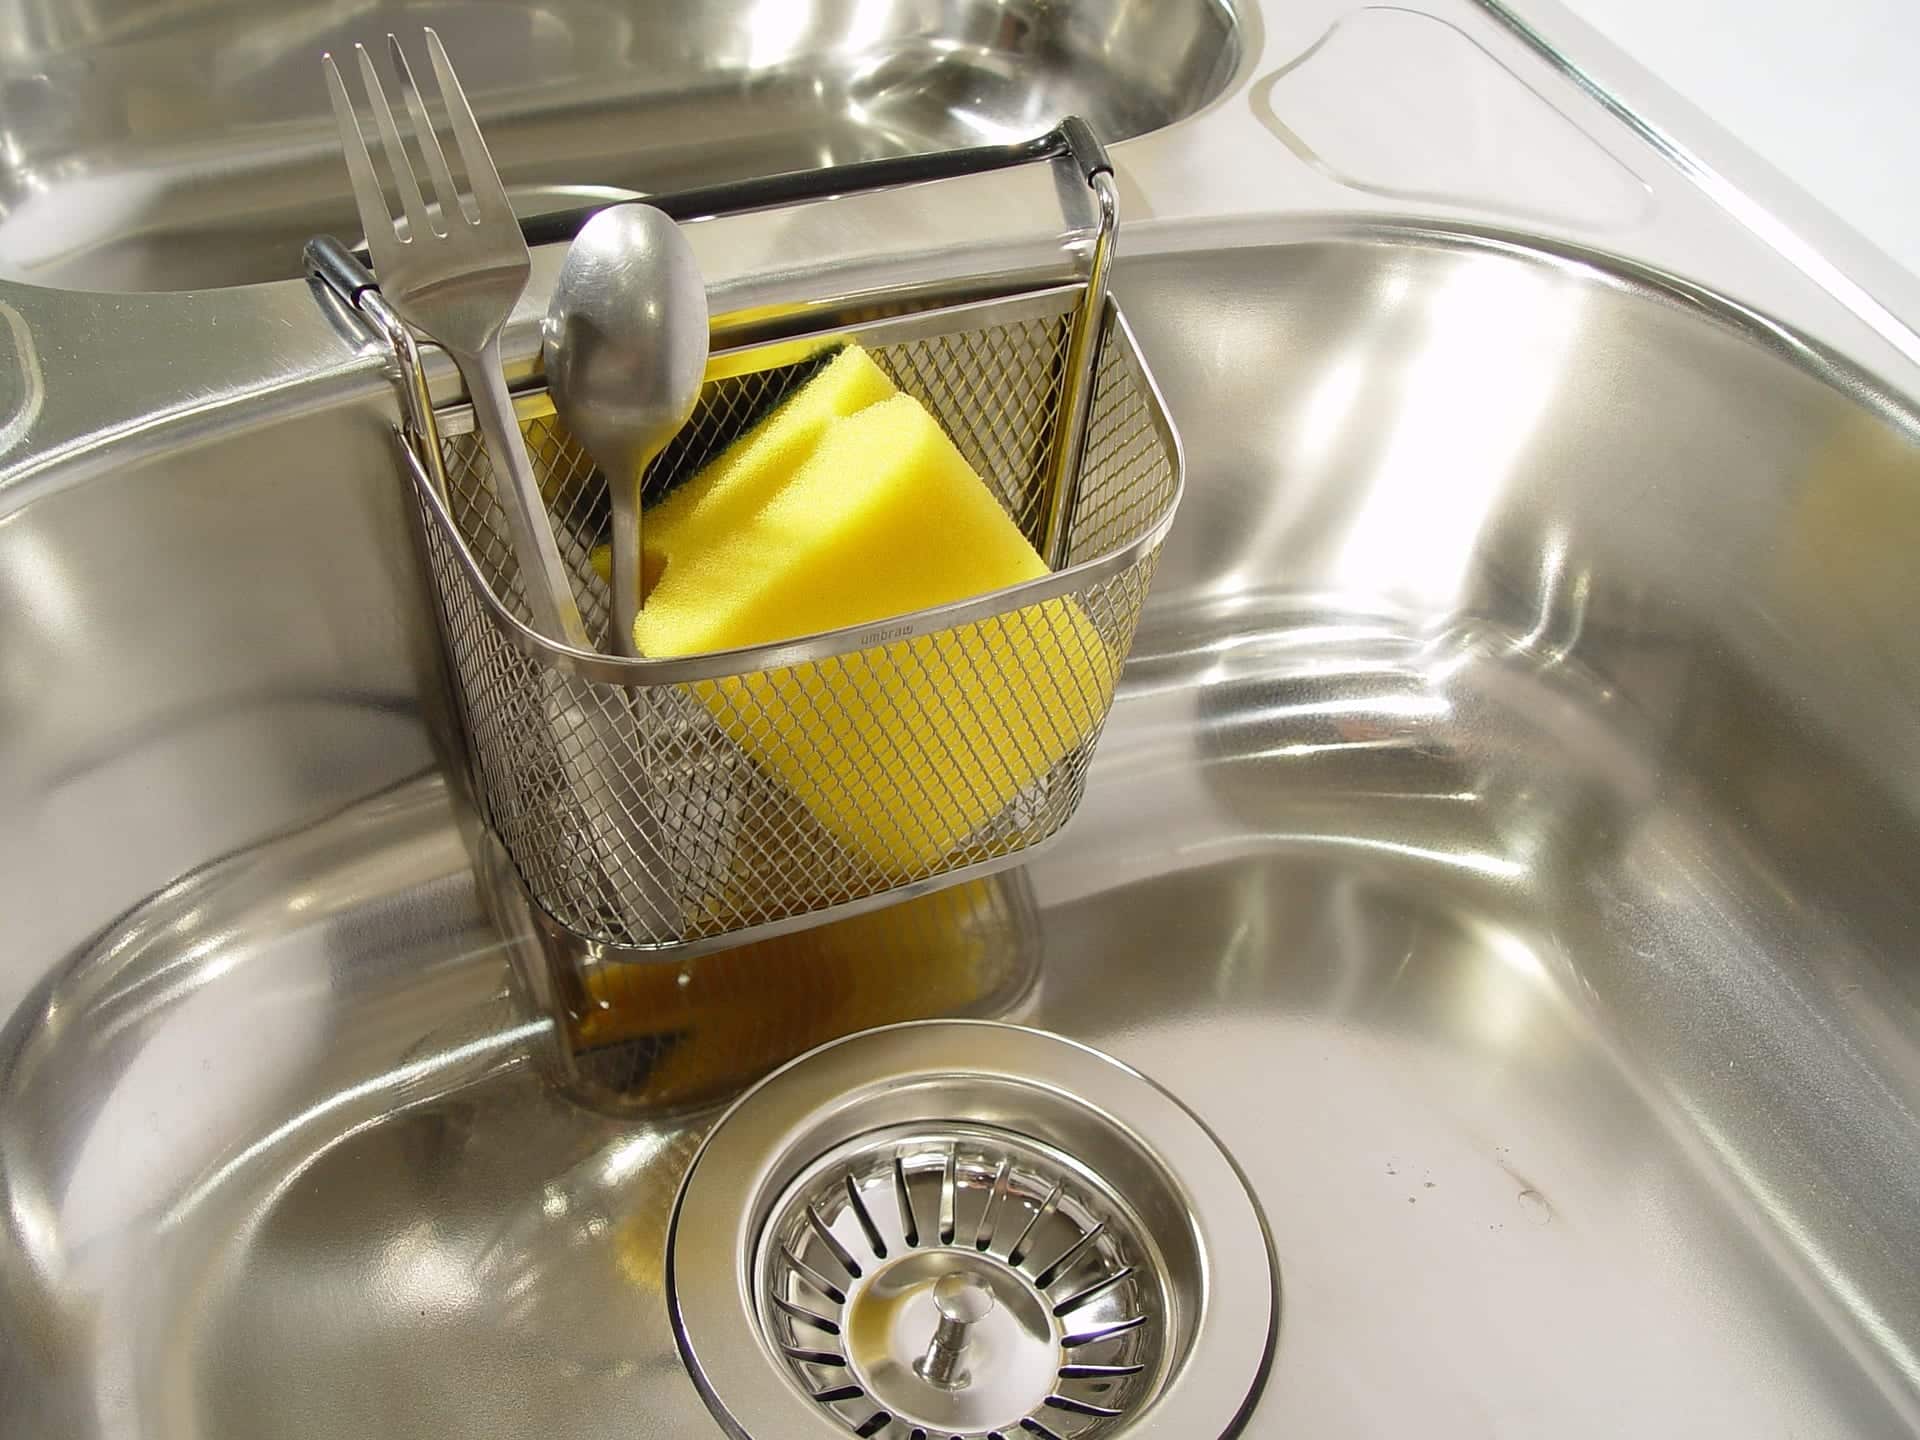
x: 1536, y: 1206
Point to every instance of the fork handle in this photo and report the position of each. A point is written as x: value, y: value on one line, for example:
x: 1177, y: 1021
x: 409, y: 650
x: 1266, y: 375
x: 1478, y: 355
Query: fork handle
x: 543, y: 574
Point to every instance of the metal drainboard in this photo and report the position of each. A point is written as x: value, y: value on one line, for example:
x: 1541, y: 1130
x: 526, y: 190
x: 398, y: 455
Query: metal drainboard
x: 851, y: 1258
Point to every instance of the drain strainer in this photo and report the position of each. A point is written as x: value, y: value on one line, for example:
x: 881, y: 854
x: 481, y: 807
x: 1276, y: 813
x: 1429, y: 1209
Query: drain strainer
x: 964, y: 1281
x: 966, y: 1231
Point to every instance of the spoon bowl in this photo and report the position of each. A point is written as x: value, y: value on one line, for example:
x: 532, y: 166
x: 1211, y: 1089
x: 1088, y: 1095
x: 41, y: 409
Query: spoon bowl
x: 625, y: 343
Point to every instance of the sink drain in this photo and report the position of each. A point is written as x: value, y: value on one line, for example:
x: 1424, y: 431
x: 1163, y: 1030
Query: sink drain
x: 966, y: 1231
x: 963, y: 1282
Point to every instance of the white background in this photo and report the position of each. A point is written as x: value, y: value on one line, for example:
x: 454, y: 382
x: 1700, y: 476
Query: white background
x: 1827, y: 91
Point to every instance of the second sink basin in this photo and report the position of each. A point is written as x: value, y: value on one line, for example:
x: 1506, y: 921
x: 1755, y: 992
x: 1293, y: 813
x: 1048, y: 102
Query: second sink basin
x: 186, y: 146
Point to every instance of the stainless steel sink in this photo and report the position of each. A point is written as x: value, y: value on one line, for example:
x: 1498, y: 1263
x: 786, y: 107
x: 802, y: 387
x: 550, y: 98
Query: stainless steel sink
x: 1503, y: 844
x: 179, y: 146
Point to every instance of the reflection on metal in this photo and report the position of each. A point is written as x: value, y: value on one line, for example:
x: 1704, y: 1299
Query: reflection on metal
x: 200, y: 153
x: 20, y: 408
x: 503, y: 1046
x: 651, y: 1036
x: 1471, y: 398
x: 1564, y: 591
x: 962, y: 1303
x: 1533, y: 925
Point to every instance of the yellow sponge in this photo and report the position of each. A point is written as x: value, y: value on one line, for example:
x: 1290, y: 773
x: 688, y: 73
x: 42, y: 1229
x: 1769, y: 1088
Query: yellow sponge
x: 753, y: 469
x: 904, y: 750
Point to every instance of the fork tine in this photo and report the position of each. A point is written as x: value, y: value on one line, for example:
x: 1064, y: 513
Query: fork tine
x: 367, y: 194
x: 443, y: 187
x: 489, y: 195
x: 418, y: 225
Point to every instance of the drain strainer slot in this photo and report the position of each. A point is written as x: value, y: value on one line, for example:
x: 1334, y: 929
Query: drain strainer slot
x: 966, y: 1231
x: 1058, y: 1307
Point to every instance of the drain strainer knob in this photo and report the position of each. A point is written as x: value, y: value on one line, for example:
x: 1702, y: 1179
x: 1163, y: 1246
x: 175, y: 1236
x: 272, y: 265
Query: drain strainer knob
x: 963, y: 1302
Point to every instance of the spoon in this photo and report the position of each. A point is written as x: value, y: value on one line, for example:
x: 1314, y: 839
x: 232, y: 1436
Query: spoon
x: 625, y: 341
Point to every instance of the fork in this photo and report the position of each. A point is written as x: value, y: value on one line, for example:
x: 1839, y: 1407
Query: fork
x: 455, y: 277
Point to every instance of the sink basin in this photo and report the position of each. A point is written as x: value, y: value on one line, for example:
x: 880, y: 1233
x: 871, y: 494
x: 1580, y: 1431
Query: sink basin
x: 185, y: 146
x: 1502, y: 843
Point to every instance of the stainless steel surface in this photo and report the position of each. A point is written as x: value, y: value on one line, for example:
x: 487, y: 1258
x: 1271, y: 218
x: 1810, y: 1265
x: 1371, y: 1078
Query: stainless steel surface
x: 1479, y: 847
x: 454, y: 274
x: 625, y: 349
x: 693, y: 801
x: 1502, y: 840
x: 1100, y: 1256
x: 186, y: 145
x: 249, y: 645
x: 648, y: 1038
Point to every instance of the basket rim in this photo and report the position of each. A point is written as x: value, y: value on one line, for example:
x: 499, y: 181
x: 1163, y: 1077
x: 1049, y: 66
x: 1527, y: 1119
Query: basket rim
x: 601, y: 668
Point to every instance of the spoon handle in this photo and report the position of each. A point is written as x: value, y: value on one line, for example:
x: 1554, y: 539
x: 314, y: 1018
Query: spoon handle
x: 625, y: 493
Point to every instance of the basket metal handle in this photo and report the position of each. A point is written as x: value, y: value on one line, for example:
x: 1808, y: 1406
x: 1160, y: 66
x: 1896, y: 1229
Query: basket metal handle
x: 1071, y: 139
x: 345, y: 272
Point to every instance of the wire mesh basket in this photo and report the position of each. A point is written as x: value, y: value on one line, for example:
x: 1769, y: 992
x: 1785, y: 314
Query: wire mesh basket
x: 658, y: 803
x: 688, y: 804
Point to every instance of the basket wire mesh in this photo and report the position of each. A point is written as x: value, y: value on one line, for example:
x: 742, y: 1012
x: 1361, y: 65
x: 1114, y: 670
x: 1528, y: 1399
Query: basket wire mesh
x: 647, y: 814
